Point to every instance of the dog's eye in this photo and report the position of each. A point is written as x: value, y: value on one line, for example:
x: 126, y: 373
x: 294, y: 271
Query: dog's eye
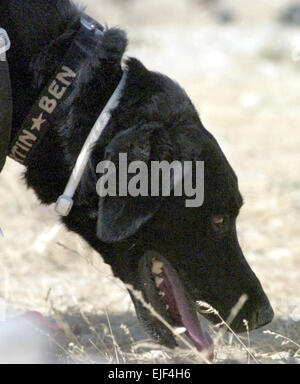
x: 220, y: 222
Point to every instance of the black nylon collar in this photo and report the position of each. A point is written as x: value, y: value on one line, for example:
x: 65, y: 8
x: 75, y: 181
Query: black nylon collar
x: 57, y: 91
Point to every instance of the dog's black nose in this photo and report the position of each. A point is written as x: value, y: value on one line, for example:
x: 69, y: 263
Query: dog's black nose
x: 264, y: 315
x: 257, y: 315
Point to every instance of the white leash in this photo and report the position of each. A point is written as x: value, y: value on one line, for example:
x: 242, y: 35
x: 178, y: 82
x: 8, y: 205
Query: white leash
x: 64, y: 203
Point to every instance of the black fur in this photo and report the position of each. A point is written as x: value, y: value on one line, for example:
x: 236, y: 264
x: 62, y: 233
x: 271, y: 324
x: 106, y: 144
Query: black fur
x: 154, y: 121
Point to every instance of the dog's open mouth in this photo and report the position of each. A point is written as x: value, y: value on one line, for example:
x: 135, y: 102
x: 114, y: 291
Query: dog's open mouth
x: 162, y: 288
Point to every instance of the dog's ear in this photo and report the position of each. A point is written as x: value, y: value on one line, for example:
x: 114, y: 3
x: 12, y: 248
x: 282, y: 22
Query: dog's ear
x: 120, y: 217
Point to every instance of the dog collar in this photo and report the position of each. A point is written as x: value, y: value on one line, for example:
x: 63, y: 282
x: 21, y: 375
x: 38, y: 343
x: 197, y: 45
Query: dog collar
x: 64, y: 203
x: 58, y: 91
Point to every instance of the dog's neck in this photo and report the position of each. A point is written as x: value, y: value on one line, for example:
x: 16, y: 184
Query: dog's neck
x: 59, y: 91
x: 49, y: 167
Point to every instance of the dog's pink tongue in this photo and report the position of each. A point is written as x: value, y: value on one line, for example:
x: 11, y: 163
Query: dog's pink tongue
x: 194, y: 330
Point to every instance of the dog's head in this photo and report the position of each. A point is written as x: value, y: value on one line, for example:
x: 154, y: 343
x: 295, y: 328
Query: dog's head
x: 174, y: 254
x: 172, y: 248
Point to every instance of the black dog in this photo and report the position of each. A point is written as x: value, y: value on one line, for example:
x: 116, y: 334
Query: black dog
x: 195, y: 251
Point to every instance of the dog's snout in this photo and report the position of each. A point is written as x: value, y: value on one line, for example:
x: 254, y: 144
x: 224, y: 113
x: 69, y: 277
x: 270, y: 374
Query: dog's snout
x: 264, y: 315
x: 257, y: 315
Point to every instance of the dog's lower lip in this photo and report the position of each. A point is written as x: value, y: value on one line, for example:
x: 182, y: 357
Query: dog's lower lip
x: 170, y: 292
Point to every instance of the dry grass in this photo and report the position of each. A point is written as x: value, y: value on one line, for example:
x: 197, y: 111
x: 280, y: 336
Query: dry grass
x: 243, y: 80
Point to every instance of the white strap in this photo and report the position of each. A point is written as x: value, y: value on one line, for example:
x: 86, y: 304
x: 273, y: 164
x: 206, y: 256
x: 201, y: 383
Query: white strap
x: 4, y: 44
x: 64, y: 203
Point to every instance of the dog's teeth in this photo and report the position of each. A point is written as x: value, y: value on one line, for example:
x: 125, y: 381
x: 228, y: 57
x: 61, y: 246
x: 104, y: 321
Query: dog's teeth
x: 158, y: 281
x: 157, y: 267
x: 179, y: 331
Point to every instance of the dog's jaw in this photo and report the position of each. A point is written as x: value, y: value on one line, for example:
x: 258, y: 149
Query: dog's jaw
x: 163, y: 290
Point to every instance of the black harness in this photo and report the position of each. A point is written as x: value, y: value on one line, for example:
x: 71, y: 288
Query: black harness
x: 58, y: 91
x: 5, y: 99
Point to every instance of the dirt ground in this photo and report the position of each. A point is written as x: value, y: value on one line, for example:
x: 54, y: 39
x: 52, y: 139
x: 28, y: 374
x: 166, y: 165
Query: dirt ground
x: 243, y: 77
